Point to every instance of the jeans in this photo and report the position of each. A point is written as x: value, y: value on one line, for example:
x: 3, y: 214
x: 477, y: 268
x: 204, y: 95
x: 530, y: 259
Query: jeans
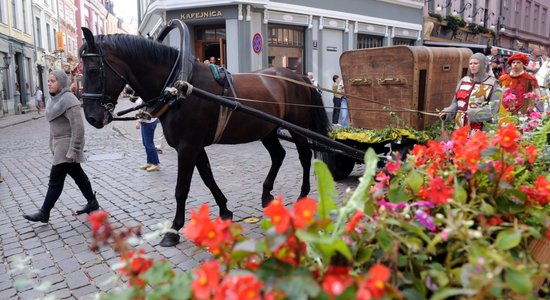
x: 336, y: 110
x: 344, y: 112
x: 147, y: 136
x: 58, y: 174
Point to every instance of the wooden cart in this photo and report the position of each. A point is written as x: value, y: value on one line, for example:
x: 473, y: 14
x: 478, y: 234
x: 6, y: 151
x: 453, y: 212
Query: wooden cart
x: 394, y: 80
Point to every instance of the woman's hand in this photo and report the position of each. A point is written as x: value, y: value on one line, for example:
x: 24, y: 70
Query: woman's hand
x: 443, y: 115
x: 138, y: 124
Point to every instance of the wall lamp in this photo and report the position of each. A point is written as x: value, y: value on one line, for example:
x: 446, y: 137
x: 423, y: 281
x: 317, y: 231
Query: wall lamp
x: 439, y: 8
x: 467, y: 5
x: 470, y: 18
x: 485, y: 18
x: 7, y: 60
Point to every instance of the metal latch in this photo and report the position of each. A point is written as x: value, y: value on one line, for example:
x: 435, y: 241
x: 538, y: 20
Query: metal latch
x: 360, y: 81
x: 391, y: 80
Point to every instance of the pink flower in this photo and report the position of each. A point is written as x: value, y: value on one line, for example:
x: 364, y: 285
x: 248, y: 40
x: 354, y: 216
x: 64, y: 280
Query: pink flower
x: 425, y: 219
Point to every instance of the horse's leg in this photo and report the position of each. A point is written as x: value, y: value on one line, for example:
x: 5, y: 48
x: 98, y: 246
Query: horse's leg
x: 305, y: 154
x: 205, y: 171
x: 277, y: 153
x: 187, y: 158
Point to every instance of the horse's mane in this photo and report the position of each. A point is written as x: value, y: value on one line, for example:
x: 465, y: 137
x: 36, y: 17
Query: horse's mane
x: 136, y: 48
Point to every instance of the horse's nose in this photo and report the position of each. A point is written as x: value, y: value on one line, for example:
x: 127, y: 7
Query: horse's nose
x: 94, y: 122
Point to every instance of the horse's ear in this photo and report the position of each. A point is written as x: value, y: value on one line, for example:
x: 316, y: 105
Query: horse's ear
x: 89, y: 37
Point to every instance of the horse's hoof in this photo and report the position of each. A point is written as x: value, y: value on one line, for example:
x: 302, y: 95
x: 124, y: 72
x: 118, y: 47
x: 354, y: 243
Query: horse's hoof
x: 227, y: 215
x: 170, y: 240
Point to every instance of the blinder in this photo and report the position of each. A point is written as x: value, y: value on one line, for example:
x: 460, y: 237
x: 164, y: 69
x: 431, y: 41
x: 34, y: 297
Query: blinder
x: 96, y: 63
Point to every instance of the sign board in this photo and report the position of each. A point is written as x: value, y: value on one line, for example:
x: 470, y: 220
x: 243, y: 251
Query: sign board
x: 257, y: 43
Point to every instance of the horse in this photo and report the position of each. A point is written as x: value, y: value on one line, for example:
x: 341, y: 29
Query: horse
x: 110, y: 62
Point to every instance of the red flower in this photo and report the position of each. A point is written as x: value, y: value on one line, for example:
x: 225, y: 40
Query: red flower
x: 354, y: 220
x: 194, y: 228
x: 136, y: 263
x: 303, y: 213
x: 507, y: 138
x: 439, y: 191
x: 531, y: 152
x: 207, y: 279
x: 98, y: 219
x: 239, y: 288
x: 336, y: 280
x: 375, y: 285
x: 278, y: 214
x: 419, y: 152
x: 393, y: 166
x: 540, y: 193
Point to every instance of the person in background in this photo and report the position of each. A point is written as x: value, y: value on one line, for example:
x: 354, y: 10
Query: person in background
x: 337, y: 99
x: 534, y: 62
x: 495, y: 59
x: 206, y: 62
x: 213, y: 60
x: 148, y: 124
x: 476, y: 98
x: 313, y: 81
x: 64, y: 114
x: 344, y: 107
x: 38, y: 99
x: 517, y: 85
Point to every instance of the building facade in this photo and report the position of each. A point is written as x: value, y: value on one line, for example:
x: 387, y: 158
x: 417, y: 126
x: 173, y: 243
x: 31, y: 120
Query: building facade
x: 519, y: 25
x: 306, y: 35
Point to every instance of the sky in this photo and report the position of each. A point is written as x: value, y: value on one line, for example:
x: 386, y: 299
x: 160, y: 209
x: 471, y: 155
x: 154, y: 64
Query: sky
x: 127, y: 10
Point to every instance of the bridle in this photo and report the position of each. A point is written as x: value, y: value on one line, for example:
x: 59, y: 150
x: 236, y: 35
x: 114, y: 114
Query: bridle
x: 105, y: 101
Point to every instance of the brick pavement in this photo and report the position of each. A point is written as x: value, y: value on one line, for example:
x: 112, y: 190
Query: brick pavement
x: 59, y: 250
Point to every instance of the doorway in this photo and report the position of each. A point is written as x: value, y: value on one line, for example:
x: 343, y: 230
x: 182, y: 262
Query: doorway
x: 210, y: 42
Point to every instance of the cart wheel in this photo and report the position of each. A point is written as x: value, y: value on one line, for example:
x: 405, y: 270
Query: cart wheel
x: 339, y: 165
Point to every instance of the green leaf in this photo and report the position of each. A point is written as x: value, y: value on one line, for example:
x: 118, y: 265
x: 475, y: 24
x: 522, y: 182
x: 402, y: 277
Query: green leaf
x: 412, y: 294
x: 327, y: 245
x: 326, y: 189
x: 508, y: 239
x: 363, y: 255
x: 486, y: 209
x: 160, y: 272
x: 298, y: 286
x: 415, y: 181
x: 273, y: 268
x: 178, y: 288
x: 385, y: 240
x: 460, y: 194
x: 120, y: 294
x: 446, y: 293
x: 519, y: 282
x: 396, y: 194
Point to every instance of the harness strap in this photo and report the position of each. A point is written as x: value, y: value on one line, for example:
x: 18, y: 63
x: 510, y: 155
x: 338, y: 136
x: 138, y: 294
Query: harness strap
x: 223, y: 119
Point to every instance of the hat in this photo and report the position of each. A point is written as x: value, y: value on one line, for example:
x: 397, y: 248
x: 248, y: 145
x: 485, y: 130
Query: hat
x: 518, y: 56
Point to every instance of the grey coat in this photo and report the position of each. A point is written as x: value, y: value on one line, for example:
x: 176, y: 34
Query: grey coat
x: 67, y: 137
x: 66, y: 125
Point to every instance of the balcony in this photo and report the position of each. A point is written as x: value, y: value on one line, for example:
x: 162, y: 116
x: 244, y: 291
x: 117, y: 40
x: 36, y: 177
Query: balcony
x: 454, y: 29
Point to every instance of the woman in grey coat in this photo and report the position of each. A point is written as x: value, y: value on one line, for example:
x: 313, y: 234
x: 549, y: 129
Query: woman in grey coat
x: 66, y: 143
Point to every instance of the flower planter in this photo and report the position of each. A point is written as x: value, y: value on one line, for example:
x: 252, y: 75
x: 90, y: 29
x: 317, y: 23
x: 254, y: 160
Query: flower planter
x: 540, y: 250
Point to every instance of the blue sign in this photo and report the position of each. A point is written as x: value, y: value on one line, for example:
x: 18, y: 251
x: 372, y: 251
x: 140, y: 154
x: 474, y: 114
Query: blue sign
x: 257, y: 43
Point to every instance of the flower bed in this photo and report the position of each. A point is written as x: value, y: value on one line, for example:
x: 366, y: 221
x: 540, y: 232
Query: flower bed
x: 463, y: 218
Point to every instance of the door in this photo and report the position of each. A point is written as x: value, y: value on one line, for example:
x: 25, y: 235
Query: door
x: 210, y: 42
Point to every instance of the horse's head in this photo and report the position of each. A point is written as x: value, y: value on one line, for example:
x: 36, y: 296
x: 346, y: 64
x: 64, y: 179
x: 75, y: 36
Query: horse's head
x: 102, y: 82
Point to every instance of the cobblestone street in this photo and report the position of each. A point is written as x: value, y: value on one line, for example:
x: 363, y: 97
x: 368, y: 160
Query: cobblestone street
x: 59, y: 250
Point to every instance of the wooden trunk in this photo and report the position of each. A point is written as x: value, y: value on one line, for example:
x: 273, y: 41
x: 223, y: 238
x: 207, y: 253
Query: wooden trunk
x: 399, y: 78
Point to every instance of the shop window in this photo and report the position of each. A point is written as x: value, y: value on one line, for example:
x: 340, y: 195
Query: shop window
x: 369, y: 41
x: 286, y: 47
x: 406, y: 42
x: 210, y: 33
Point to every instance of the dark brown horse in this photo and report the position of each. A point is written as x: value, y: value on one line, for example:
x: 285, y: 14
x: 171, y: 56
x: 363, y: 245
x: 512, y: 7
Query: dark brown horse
x: 112, y: 61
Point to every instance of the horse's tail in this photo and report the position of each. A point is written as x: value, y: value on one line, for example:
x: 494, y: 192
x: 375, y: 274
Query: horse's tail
x: 319, y: 117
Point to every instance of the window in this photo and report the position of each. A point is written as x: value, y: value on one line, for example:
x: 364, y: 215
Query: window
x: 406, y: 42
x: 210, y: 33
x: 286, y: 47
x: 369, y: 41
x: 516, y: 13
x: 544, y: 31
x: 3, y: 11
x: 526, y: 16
x: 49, y: 37
x: 536, y: 19
x: 14, y: 13
x: 25, y: 17
x: 39, y: 32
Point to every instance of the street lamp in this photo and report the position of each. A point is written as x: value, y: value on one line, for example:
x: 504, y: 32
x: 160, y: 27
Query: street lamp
x: 439, y: 8
x: 470, y: 18
x: 7, y: 61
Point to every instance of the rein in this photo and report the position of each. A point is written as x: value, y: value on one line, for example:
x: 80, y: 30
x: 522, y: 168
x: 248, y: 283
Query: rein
x: 401, y: 109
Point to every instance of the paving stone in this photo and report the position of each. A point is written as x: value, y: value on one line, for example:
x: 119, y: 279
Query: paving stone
x: 69, y: 265
x: 30, y: 294
x: 84, y: 292
x: 8, y: 293
x: 62, y: 294
x: 77, y: 279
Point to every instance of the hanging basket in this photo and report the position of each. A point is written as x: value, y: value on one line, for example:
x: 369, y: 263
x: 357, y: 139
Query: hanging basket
x: 540, y: 250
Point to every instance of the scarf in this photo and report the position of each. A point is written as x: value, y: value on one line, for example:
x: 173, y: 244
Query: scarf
x: 63, y: 100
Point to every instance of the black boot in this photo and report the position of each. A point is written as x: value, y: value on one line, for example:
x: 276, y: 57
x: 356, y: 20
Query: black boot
x: 40, y: 216
x: 92, y: 205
